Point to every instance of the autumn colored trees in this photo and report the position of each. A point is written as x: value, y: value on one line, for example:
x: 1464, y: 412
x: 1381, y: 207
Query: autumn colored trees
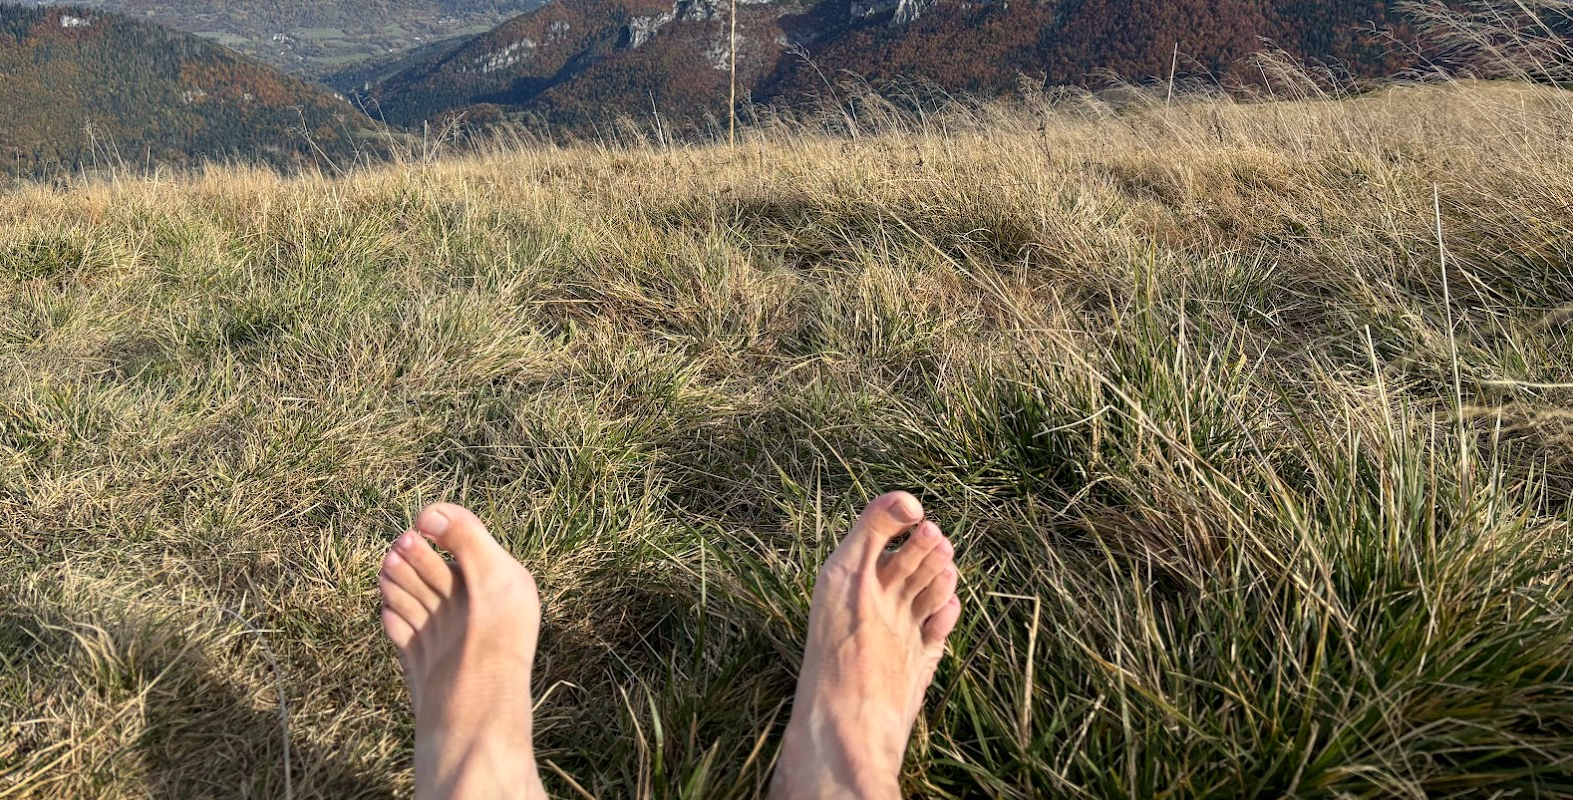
x: 984, y: 46
x: 795, y: 50
x: 88, y: 87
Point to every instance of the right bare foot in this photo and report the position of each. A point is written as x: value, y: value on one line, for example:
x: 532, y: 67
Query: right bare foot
x: 876, y: 631
x: 466, y: 635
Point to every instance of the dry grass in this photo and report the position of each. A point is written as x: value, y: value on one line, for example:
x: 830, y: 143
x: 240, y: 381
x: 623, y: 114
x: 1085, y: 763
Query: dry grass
x: 1180, y: 383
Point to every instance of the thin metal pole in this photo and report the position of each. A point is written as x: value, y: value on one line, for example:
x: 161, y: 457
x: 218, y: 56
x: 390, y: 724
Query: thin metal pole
x: 731, y: 109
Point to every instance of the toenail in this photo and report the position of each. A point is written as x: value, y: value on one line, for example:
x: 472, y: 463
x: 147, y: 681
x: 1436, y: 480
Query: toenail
x: 393, y: 559
x: 433, y: 522
x: 907, y: 509
x: 406, y: 540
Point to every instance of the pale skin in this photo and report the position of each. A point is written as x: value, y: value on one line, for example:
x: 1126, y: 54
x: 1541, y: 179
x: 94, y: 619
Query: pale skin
x: 466, y: 633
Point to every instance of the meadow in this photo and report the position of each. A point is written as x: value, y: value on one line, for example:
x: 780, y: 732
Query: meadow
x: 1250, y: 423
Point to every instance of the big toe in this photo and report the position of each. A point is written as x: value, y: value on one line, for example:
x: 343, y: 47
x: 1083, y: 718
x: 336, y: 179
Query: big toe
x: 457, y: 530
x: 887, y: 517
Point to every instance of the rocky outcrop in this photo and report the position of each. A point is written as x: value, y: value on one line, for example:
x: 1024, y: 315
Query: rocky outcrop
x: 506, y: 56
x: 640, y: 29
x: 719, y: 54
x: 901, y: 11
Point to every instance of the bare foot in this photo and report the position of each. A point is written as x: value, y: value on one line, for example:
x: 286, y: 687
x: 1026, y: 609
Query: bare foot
x: 876, y: 631
x: 466, y: 636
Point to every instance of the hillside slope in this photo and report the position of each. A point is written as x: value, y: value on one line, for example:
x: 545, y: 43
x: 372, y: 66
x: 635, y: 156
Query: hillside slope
x: 515, y: 63
x: 984, y: 46
x: 576, y: 59
x: 80, y: 87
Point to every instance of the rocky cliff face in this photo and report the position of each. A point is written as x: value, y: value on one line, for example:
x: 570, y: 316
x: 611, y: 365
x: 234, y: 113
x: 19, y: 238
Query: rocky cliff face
x: 901, y: 11
x: 640, y: 29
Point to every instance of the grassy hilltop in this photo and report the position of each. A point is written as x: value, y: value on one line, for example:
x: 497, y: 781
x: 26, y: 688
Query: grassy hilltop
x: 1257, y: 489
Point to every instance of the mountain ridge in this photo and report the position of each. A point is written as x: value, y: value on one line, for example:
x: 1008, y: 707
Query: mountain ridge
x: 674, y: 56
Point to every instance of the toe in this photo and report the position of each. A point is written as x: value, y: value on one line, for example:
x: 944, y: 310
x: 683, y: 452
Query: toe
x: 431, y: 568
x: 458, y: 531
x: 896, y: 567
x: 398, y: 571
x: 398, y: 629
x: 884, y: 519
x: 936, y: 595
x: 933, y: 565
x: 938, y: 626
x: 402, y: 603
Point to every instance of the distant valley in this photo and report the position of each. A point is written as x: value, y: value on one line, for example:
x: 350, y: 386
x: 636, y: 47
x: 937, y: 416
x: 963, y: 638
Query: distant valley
x: 321, y: 36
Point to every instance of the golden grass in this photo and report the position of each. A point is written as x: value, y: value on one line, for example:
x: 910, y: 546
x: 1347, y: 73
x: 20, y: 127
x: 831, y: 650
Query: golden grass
x: 1178, y: 380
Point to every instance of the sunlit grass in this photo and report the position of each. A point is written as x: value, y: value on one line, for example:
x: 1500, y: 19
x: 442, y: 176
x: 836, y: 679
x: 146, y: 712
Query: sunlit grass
x: 1237, y: 512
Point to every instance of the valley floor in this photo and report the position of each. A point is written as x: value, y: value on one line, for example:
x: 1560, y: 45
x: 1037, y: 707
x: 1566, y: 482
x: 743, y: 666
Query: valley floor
x: 1257, y: 488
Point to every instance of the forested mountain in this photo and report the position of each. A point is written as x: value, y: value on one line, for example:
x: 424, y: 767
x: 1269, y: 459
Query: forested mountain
x: 531, y: 55
x: 572, y: 61
x: 317, y: 37
x: 979, y: 46
x: 82, y: 87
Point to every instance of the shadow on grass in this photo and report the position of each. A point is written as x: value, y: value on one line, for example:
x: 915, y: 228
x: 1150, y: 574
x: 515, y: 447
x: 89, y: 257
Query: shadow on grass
x: 215, y: 743
x: 201, y: 734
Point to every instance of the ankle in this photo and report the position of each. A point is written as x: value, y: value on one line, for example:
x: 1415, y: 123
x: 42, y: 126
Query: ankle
x: 813, y: 781
x: 814, y: 764
x: 483, y: 761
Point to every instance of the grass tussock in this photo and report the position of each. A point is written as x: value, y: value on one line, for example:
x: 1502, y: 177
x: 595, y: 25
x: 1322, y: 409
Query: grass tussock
x: 1258, y: 488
